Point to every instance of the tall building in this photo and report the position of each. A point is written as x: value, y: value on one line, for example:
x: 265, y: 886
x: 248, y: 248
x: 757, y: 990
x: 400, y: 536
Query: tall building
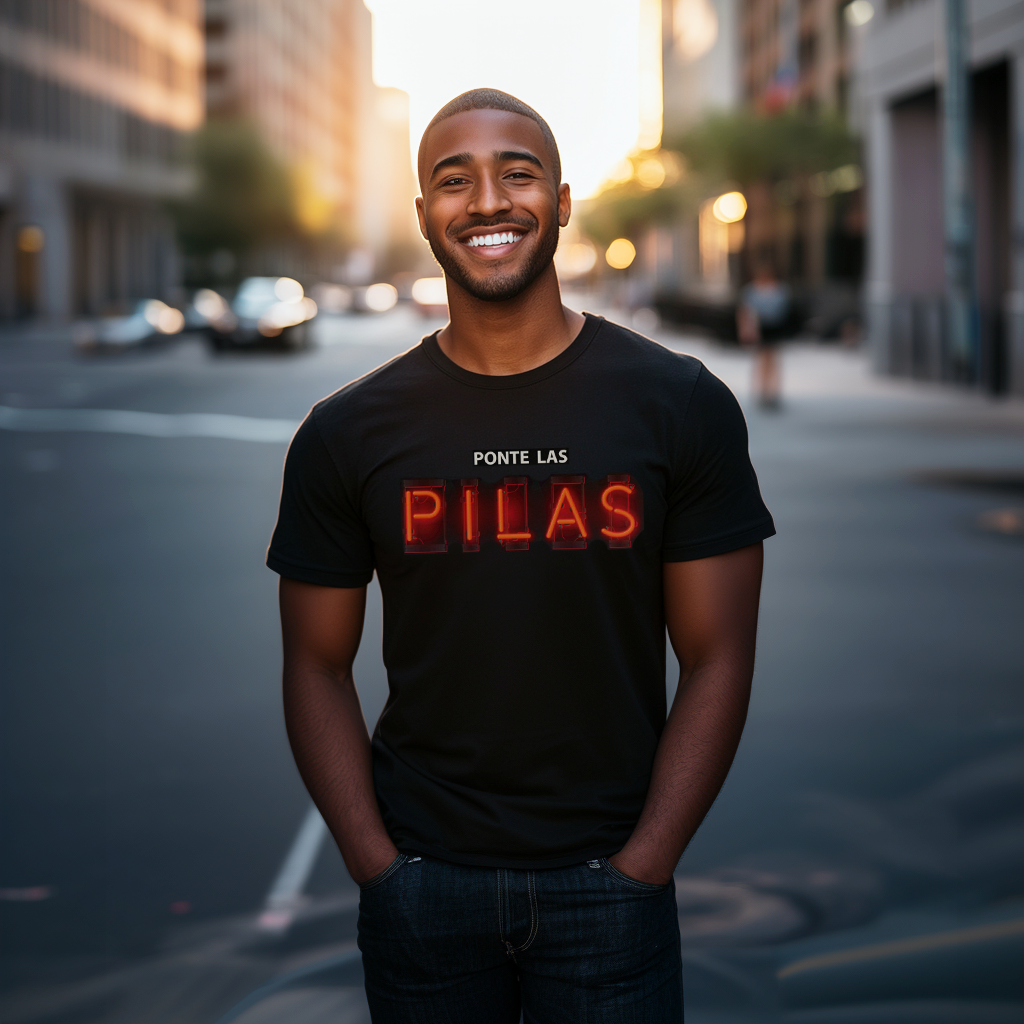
x: 901, y: 76
x: 800, y: 53
x: 302, y: 73
x: 96, y: 98
x: 795, y: 51
x: 700, y: 60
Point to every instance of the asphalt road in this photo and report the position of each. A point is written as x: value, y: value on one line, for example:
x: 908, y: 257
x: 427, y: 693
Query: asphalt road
x: 149, y: 798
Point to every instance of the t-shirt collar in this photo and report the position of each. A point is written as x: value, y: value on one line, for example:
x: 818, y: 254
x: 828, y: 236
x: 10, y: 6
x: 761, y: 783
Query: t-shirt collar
x: 432, y: 350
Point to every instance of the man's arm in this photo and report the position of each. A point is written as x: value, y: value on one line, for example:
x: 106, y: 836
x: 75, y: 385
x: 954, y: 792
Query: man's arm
x: 711, y: 611
x: 321, y: 628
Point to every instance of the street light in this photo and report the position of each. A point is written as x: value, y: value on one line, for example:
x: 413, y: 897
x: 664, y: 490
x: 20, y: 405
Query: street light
x: 730, y: 207
x: 620, y: 254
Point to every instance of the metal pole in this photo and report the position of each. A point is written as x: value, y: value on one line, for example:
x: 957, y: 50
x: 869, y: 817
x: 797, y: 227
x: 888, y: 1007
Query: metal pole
x: 958, y: 213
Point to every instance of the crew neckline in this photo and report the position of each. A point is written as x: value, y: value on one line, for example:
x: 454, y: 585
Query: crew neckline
x: 576, y: 348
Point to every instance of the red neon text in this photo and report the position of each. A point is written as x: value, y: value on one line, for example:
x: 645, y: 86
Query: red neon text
x: 567, y: 527
x: 424, y: 510
x: 513, y: 514
x: 470, y: 515
x: 622, y: 523
x: 501, y: 512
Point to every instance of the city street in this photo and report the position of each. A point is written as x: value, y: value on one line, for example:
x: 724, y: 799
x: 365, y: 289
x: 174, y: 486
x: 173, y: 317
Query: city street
x: 863, y: 861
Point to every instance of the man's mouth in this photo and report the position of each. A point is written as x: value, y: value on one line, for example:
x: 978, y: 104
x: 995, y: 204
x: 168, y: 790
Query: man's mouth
x: 493, y: 244
x: 500, y: 238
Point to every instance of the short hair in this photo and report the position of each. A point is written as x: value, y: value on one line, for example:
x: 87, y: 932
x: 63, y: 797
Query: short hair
x: 495, y: 99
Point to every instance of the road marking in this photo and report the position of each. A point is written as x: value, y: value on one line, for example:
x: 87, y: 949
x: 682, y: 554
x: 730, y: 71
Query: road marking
x: 149, y: 424
x: 917, y: 944
x: 285, y: 894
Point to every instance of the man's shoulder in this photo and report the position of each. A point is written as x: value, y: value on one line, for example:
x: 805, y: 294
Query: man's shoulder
x: 381, y: 386
x: 631, y: 353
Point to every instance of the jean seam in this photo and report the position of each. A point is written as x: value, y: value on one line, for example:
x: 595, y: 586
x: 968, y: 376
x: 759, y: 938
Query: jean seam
x: 501, y: 900
x: 634, y: 882
x: 534, y: 914
x: 387, y: 873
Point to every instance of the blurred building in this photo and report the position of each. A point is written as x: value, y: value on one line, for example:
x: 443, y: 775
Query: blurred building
x: 95, y: 99
x: 302, y: 73
x: 902, y: 66
x: 795, y: 51
x: 801, y: 52
x: 767, y: 55
x: 700, y: 60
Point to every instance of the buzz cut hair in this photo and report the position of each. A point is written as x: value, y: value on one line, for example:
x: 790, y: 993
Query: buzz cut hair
x: 495, y: 99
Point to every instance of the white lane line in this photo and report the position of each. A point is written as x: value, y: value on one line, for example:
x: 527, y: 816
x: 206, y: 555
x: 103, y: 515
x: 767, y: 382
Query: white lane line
x: 285, y: 894
x: 149, y: 424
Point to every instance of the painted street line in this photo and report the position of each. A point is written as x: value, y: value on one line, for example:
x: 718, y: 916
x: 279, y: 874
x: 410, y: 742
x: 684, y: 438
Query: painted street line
x: 149, y: 424
x: 285, y: 894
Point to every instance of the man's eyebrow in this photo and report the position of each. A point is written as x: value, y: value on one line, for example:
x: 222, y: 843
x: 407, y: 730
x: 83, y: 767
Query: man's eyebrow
x: 515, y: 154
x: 448, y: 161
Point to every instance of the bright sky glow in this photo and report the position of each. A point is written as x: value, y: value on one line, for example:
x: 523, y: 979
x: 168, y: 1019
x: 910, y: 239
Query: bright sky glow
x: 575, y: 61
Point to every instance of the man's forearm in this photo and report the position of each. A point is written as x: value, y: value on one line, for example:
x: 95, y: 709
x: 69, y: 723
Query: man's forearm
x: 332, y: 750
x: 694, y: 755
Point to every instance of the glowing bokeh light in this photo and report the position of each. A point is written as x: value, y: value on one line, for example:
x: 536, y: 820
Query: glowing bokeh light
x: 620, y: 254
x: 730, y: 208
x: 860, y: 12
x: 575, y: 260
x: 287, y: 289
x: 381, y: 297
x: 430, y: 291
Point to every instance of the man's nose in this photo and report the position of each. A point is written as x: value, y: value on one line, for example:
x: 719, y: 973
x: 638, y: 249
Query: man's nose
x: 489, y: 198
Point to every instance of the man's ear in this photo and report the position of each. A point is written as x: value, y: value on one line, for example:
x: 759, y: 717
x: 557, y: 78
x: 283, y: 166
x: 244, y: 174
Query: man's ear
x: 564, y: 205
x: 421, y: 217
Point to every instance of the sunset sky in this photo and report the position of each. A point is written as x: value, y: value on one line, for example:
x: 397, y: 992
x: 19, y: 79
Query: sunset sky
x: 590, y: 67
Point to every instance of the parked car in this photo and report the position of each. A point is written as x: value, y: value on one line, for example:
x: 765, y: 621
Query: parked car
x: 151, y: 319
x: 210, y: 313
x: 265, y: 309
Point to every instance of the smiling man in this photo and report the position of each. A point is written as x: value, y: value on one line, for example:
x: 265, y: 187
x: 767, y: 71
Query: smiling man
x: 540, y: 493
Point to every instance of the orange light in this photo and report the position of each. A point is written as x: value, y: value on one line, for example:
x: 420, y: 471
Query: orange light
x: 575, y: 517
x: 424, y: 515
x: 626, y: 489
x: 511, y: 536
x: 470, y: 516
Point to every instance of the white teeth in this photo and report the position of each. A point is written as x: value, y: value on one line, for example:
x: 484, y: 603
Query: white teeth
x: 504, y: 238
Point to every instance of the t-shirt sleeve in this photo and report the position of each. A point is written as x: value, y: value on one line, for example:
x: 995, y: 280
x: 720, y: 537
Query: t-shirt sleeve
x: 714, y: 502
x: 320, y: 537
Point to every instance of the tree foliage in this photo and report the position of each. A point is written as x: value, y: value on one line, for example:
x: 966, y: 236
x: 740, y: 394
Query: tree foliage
x: 726, y: 150
x: 243, y: 196
x: 746, y: 146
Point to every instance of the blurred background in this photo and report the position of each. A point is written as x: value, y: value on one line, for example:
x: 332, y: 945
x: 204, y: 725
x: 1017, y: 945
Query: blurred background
x: 206, y: 224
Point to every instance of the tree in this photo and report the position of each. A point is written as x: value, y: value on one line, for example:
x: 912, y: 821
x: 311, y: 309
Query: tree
x: 746, y: 146
x: 243, y: 197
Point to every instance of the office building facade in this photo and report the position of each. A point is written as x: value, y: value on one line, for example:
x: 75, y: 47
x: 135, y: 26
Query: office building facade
x: 901, y: 77
x: 97, y: 98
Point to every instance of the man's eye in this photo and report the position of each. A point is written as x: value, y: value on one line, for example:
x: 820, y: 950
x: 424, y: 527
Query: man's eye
x: 519, y: 174
x: 454, y: 181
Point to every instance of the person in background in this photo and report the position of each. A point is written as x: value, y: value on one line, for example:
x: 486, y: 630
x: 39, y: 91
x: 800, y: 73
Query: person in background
x: 762, y: 320
x: 540, y: 493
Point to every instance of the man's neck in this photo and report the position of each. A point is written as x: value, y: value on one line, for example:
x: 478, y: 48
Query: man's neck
x: 502, y: 338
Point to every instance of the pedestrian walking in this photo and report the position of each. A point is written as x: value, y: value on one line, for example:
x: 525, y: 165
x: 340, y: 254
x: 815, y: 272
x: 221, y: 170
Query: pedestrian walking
x: 762, y: 320
x: 540, y: 493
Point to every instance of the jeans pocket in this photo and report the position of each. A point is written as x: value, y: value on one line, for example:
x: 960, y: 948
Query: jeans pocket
x: 634, y: 883
x: 383, y: 876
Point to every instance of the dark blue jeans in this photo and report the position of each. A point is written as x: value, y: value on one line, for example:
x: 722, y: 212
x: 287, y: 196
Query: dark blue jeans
x: 448, y: 944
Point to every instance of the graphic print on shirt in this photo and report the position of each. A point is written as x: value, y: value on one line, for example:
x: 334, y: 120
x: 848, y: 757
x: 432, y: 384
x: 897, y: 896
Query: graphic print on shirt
x: 568, y: 513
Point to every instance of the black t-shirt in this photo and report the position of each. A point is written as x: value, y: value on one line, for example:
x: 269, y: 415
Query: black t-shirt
x: 518, y: 525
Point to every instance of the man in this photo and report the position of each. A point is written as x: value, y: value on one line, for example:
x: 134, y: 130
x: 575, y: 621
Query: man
x: 539, y: 493
x: 763, y: 316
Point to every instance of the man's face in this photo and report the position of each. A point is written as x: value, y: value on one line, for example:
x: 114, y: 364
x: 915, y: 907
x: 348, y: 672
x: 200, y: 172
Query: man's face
x: 490, y: 207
